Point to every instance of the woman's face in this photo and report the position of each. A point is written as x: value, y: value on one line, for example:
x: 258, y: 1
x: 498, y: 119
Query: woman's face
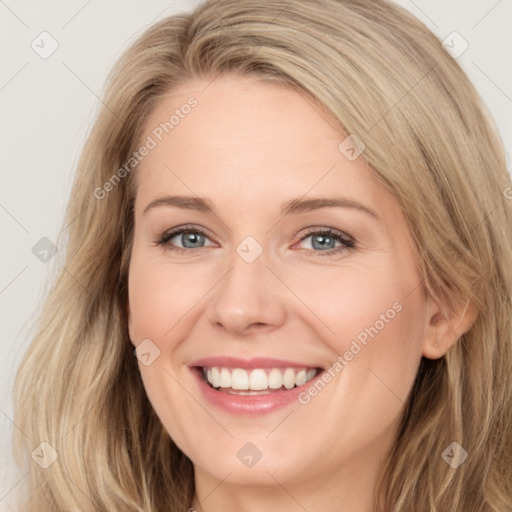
x: 294, y: 259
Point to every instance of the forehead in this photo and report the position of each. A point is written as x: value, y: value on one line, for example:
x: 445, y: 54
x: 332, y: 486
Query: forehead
x: 246, y: 140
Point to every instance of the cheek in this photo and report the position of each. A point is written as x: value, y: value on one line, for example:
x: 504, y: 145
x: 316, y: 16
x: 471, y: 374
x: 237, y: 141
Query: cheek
x: 160, y: 298
x: 370, y: 317
x: 349, y: 299
x: 160, y: 295
x: 390, y: 354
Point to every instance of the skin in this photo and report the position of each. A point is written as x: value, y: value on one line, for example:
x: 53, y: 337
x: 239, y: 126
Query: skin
x: 248, y: 147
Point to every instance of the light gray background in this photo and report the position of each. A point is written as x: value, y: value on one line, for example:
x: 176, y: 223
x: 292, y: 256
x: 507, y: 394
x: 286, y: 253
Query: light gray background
x: 48, y: 106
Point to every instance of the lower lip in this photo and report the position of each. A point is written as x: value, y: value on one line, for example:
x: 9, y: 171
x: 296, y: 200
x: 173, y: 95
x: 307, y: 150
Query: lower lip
x: 248, y: 405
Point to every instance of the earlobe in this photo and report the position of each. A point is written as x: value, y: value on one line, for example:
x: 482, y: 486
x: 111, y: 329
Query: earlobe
x: 443, y: 330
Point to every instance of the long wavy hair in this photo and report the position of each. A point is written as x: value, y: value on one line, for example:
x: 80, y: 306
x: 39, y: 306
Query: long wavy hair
x: 429, y: 139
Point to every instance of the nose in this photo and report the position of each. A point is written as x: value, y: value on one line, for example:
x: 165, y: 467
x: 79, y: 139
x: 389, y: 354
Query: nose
x: 248, y: 299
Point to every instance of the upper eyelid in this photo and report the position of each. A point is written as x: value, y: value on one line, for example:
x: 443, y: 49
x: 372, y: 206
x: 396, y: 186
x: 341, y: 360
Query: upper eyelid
x: 327, y: 230
x: 309, y: 231
x: 174, y: 232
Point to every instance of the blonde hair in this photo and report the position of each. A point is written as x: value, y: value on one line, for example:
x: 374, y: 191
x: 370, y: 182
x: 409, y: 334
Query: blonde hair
x: 385, y: 78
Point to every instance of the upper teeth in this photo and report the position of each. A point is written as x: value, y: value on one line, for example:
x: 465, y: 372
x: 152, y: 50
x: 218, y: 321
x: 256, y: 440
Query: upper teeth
x: 258, y: 379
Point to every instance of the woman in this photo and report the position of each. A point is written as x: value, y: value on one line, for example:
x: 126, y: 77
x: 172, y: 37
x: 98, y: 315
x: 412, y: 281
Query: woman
x: 195, y: 353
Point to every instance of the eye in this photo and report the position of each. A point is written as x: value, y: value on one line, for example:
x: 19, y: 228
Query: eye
x: 190, y: 237
x: 323, y: 241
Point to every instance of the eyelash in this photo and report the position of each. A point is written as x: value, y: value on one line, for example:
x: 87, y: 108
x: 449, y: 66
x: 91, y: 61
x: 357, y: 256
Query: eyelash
x: 347, y: 241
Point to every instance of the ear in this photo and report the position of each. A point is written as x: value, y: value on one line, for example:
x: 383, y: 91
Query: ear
x: 130, y: 323
x: 444, y: 328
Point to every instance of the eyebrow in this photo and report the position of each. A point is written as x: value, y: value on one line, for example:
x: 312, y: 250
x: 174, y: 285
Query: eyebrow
x: 294, y: 206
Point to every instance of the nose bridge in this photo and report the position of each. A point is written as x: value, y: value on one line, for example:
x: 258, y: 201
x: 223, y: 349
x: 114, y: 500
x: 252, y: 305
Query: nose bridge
x: 247, y: 295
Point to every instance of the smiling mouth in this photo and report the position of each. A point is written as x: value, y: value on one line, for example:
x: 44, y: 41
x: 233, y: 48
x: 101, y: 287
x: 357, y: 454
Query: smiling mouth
x: 258, y: 381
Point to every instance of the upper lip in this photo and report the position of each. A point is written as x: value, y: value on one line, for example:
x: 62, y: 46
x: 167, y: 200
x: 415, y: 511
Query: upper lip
x: 248, y: 364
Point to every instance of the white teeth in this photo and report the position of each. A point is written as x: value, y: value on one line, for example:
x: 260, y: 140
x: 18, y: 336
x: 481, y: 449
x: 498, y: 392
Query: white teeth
x: 289, y: 378
x: 275, y: 379
x: 301, y: 378
x: 225, y: 378
x: 258, y: 379
x: 239, y: 379
x: 215, y: 377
